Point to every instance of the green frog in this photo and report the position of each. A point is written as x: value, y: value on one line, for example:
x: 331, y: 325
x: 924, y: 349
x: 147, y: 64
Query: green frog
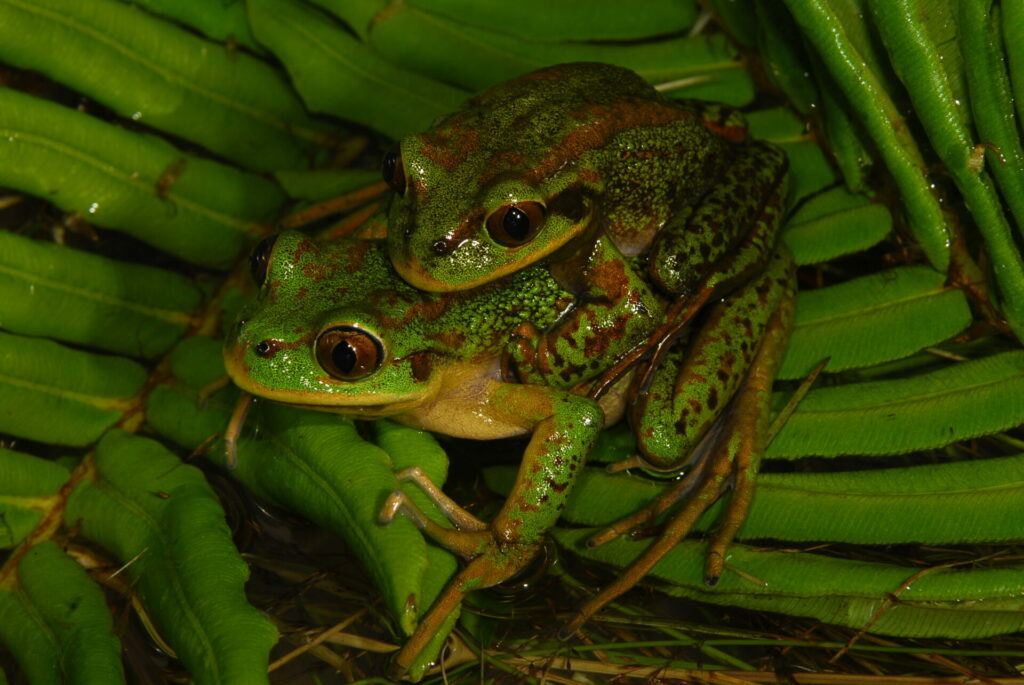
x: 586, y: 169
x: 336, y: 329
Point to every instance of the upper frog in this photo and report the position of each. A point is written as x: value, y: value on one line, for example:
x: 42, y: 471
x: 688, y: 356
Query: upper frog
x: 530, y: 165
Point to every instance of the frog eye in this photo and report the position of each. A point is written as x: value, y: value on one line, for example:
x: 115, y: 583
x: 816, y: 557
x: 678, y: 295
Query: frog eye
x: 349, y: 353
x: 517, y: 223
x: 393, y: 170
x: 259, y: 260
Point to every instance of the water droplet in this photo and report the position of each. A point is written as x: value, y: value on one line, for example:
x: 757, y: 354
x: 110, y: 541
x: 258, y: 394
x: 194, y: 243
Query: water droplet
x: 94, y: 207
x: 136, y: 116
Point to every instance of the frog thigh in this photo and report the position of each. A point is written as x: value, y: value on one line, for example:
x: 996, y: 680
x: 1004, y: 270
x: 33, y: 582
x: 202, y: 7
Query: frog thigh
x: 615, y: 308
x: 693, y: 386
x: 699, y: 243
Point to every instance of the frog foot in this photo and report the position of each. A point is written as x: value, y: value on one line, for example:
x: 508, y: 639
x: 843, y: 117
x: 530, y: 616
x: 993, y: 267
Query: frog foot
x: 491, y: 560
x: 470, y: 533
x: 699, y: 490
x: 730, y: 458
x: 521, y: 362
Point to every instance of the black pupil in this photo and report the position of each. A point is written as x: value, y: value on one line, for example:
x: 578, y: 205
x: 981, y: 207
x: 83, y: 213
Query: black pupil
x: 344, y: 356
x: 388, y: 166
x: 516, y: 224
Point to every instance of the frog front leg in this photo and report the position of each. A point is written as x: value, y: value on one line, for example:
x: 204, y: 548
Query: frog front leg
x: 731, y: 435
x: 614, y: 307
x: 564, y: 428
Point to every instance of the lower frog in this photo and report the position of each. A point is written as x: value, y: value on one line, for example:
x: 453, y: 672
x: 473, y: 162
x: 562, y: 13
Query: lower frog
x: 336, y: 329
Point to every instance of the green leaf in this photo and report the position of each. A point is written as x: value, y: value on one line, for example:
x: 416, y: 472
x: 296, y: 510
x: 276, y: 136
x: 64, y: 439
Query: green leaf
x: 161, y: 515
x: 231, y: 103
x: 337, y: 74
x: 901, y: 24
x: 56, y: 623
x: 62, y: 396
x: 222, y: 21
x: 324, y: 184
x: 961, y: 401
x: 833, y: 224
x: 111, y: 177
x: 992, y: 99
x: 27, y: 485
x: 873, y: 319
x: 55, y: 291
x: 809, y: 171
x: 959, y: 502
x: 409, y: 447
x: 570, y: 20
x: 836, y: 31
x: 476, y: 58
x: 784, y: 58
x: 944, y: 602
x: 316, y: 465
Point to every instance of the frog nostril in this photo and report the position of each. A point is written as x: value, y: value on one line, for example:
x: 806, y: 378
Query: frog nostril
x: 265, y: 349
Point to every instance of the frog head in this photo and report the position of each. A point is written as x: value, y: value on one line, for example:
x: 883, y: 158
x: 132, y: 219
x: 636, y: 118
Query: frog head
x: 511, y: 177
x: 331, y: 330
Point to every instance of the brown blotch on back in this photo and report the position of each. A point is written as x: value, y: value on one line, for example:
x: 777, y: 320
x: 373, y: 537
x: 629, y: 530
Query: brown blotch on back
x: 450, y: 147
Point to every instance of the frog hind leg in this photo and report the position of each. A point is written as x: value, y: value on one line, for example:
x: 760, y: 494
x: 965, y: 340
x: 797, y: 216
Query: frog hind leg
x: 723, y: 120
x: 731, y: 234
x: 738, y: 444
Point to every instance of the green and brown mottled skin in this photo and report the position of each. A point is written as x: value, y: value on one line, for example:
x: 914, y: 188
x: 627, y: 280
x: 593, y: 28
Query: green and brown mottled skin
x: 652, y: 207
x: 618, y: 168
x: 441, y: 363
x: 439, y: 371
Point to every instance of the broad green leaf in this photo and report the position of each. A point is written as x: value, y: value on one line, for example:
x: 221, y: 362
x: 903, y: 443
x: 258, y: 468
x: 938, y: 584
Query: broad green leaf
x: 55, y: 621
x: 71, y: 295
x: 1013, y: 42
x: 113, y: 178
x: 570, y: 20
x: 783, y: 57
x: 222, y: 21
x: 833, y: 224
x: 62, y: 396
x: 154, y: 72
x: 809, y: 171
x: 960, y: 502
x: 873, y: 319
x: 944, y: 602
x: 900, y: 24
x: 27, y: 487
x: 408, y: 447
x: 476, y: 58
x: 337, y: 74
x: 961, y: 401
x: 316, y: 465
x: 325, y: 183
x: 149, y: 508
x: 176, y: 410
x: 836, y: 31
x: 992, y: 100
